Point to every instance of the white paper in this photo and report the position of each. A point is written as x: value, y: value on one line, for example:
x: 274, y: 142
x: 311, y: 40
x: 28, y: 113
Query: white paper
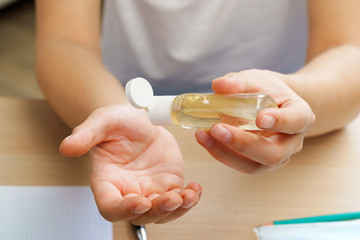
x: 51, y: 213
x: 349, y: 230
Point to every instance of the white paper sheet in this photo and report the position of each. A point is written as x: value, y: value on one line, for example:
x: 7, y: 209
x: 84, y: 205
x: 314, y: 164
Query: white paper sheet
x: 349, y: 230
x: 51, y: 213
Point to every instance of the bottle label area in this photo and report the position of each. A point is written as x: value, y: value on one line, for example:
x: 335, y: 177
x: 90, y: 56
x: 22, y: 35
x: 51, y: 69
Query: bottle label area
x: 198, y: 110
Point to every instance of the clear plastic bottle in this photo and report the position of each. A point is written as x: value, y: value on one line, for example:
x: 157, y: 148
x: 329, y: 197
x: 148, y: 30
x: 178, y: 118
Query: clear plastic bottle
x: 198, y: 110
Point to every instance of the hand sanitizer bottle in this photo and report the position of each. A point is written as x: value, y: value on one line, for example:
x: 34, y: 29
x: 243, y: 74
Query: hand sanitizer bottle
x: 198, y: 110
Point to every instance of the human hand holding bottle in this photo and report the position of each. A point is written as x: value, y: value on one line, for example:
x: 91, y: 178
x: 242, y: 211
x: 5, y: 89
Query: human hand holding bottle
x: 137, y: 169
x: 283, y: 129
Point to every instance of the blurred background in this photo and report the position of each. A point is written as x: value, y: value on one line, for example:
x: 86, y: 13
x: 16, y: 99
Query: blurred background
x: 17, y: 40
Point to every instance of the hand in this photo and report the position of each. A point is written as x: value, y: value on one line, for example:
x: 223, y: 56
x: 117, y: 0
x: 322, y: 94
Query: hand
x: 137, y: 169
x: 283, y: 129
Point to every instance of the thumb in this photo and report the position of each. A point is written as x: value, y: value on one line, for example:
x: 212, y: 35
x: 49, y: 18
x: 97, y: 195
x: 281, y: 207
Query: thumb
x: 83, y: 138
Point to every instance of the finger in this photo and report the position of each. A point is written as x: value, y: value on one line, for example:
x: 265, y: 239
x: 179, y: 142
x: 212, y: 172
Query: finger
x: 114, y: 207
x: 242, y: 82
x: 196, y: 187
x: 229, y: 85
x: 124, y: 209
x: 269, y: 151
x: 248, y: 81
x: 162, y: 206
x: 297, y: 118
x: 226, y: 155
x: 84, y: 137
x: 191, y: 196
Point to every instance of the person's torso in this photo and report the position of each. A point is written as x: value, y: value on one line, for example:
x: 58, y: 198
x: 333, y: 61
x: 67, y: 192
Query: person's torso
x: 181, y: 45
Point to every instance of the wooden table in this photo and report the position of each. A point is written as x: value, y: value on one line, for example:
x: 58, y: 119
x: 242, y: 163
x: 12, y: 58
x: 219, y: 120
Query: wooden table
x: 322, y: 179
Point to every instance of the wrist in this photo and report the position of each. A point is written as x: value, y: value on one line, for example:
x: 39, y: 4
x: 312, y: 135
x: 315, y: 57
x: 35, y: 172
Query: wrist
x: 295, y: 82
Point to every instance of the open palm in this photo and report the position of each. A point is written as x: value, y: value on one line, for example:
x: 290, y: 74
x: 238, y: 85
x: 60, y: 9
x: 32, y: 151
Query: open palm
x: 137, y: 169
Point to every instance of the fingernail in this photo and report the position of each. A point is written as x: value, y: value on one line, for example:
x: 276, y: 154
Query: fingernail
x: 189, y: 205
x: 204, y: 139
x: 140, y: 209
x: 221, y: 133
x: 267, y: 122
x: 171, y: 206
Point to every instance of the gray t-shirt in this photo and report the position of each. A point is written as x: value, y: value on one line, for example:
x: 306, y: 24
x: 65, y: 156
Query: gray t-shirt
x: 181, y: 45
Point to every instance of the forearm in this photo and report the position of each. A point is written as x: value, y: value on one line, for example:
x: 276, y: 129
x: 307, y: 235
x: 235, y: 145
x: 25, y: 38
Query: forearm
x: 330, y: 83
x: 75, y: 81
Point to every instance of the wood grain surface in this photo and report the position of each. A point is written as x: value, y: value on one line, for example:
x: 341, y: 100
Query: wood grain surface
x: 322, y: 179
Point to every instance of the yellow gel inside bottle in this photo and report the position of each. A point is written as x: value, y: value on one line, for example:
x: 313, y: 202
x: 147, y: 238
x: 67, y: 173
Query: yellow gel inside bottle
x: 199, y: 110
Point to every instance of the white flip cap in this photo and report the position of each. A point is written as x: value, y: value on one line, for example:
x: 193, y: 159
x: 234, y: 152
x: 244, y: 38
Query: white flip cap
x: 140, y: 95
